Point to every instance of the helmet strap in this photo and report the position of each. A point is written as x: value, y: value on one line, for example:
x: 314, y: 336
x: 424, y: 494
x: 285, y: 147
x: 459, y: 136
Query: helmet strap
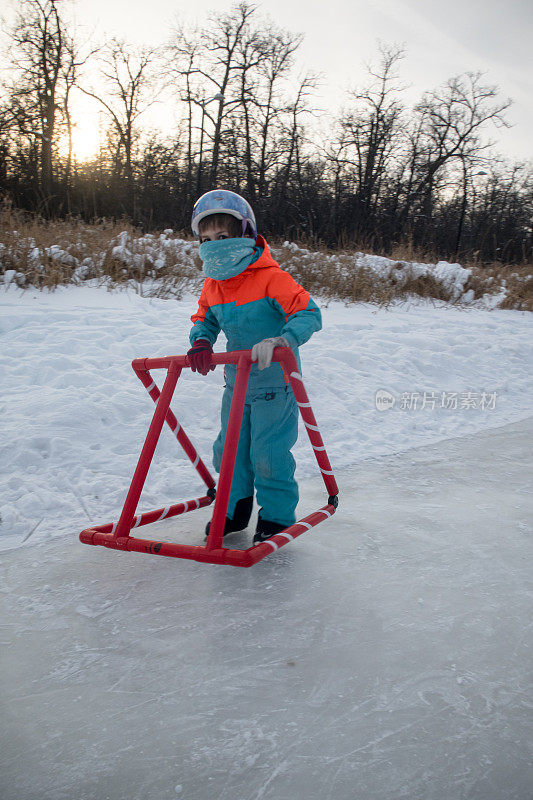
x: 244, y: 223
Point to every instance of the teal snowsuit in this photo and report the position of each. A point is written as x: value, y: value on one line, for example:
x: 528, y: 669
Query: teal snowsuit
x: 261, y: 302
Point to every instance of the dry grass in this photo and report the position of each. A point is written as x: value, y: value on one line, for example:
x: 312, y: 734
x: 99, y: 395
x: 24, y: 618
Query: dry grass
x: 28, y: 246
x: 343, y: 275
x: 519, y: 287
x: 343, y: 279
x: 47, y: 254
x: 348, y: 279
x: 493, y: 278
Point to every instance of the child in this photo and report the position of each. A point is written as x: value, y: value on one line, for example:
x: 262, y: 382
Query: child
x: 258, y: 306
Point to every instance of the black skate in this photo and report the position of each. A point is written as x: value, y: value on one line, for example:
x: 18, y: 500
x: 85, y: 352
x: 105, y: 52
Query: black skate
x: 266, y: 529
x: 241, y: 517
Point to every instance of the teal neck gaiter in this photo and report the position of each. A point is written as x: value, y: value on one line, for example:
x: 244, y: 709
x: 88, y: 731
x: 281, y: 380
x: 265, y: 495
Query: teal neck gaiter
x: 225, y: 258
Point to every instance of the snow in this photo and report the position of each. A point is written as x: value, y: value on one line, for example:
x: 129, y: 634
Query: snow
x: 385, y: 654
x: 75, y: 414
x: 453, y: 276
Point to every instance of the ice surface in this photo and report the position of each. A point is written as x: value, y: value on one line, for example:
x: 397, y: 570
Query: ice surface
x: 384, y: 655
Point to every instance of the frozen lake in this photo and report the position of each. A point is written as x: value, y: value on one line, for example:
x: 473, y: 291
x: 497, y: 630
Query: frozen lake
x: 385, y: 654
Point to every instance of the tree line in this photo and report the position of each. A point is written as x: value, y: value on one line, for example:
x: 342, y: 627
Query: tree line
x: 378, y: 175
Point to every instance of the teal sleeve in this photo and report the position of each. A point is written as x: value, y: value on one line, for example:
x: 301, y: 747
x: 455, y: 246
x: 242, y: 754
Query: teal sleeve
x: 301, y: 325
x: 206, y: 328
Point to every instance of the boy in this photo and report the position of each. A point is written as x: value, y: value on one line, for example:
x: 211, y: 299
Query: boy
x: 258, y: 306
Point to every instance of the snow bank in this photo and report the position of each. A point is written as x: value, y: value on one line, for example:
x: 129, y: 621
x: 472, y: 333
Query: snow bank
x: 152, y: 259
x: 452, y: 276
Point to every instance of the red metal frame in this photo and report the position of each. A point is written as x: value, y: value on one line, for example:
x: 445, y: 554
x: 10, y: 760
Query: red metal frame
x: 117, y: 535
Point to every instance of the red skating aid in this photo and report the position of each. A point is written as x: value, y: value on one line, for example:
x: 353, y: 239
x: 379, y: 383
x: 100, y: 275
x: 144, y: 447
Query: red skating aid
x: 118, y: 535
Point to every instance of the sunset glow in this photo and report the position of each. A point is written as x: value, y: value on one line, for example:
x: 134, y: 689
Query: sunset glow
x: 86, y: 139
x: 86, y: 133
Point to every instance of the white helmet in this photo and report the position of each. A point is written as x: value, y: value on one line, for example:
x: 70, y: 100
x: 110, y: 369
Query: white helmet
x: 222, y: 201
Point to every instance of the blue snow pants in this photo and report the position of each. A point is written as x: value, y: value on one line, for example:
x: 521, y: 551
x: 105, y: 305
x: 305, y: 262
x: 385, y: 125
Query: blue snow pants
x: 269, y: 429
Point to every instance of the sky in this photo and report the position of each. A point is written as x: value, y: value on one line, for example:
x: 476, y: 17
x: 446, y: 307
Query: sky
x: 341, y: 38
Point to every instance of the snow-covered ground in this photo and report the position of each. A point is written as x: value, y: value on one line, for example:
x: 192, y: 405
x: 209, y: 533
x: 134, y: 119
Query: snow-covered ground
x: 386, y: 654
x: 74, y: 415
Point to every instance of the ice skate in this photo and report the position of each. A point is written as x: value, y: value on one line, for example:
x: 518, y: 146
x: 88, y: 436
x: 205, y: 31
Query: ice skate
x: 241, y: 517
x: 266, y: 529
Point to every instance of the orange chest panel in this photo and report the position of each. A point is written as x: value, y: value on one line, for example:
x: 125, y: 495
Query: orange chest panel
x: 245, y: 288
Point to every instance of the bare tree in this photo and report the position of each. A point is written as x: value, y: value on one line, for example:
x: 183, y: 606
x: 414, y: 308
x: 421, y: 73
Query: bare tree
x: 182, y: 55
x: 271, y: 109
x: 370, y: 137
x: 450, y: 125
x: 222, y: 42
x: 70, y: 74
x: 240, y: 63
x: 251, y: 52
x: 294, y: 128
x: 209, y: 61
x: 129, y: 82
x: 38, y: 47
x: 384, y: 176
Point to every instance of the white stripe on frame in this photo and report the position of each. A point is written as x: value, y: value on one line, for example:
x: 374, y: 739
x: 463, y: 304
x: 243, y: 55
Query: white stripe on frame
x: 272, y: 544
x: 287, y: 536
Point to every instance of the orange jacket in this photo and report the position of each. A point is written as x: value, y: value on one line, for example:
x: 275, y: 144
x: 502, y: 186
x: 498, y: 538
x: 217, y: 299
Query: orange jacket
x: 261, y: 302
